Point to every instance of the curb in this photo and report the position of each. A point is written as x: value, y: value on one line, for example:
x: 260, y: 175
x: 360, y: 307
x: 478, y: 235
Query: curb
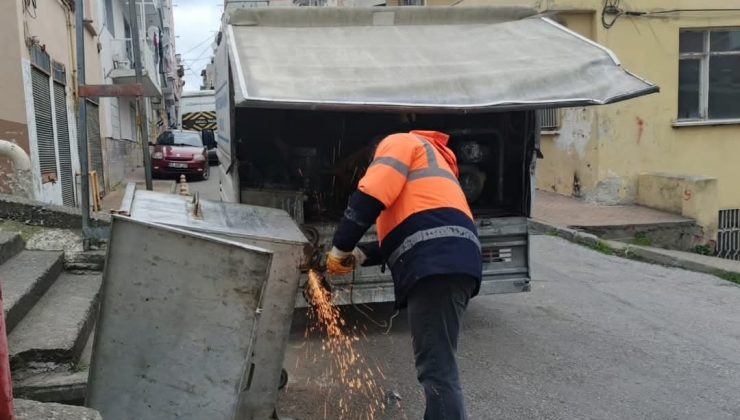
x: 35, y: 213
x: 630, y: 251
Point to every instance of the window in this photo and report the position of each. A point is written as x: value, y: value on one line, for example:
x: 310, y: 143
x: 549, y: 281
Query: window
x: 411, y: 3
x: 109, y: 17
x: 709, y: 74
x: 549, y: 119
x: 728, y: 234
x: 180, y: 138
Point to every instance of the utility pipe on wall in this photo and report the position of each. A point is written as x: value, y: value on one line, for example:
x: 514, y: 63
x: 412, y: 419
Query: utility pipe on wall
x: 82, y: 126
x: 21, y: 181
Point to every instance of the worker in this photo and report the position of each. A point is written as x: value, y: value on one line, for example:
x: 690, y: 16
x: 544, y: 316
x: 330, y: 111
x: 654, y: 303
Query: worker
x: 427, y: 237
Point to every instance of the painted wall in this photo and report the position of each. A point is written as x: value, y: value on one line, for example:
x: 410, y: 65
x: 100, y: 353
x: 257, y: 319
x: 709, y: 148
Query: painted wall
x: 51, y: 25
x: 638, y: 136
x: 13, y: 125
x: 12, y: 116
x: 570, y: 166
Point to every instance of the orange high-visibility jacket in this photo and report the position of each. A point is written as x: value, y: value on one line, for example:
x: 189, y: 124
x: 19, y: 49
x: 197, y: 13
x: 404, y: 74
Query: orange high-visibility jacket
x: 411, y: 173
x: 424, y: 224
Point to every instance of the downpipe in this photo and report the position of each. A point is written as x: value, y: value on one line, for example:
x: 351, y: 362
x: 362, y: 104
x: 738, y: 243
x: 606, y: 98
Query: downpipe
x: 21, y: 180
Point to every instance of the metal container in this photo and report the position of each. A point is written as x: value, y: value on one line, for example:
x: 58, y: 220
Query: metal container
x: 268, y: 228
x: 289, y: 200
x: 178, y: 319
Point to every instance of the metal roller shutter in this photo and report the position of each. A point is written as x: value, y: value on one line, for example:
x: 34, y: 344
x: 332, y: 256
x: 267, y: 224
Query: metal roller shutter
x: 94, y: 143
x: 44, y: 126
x: 65, y: 155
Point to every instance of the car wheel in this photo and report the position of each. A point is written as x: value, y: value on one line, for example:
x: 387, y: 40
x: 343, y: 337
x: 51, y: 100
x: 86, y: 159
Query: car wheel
x: 206, y: 173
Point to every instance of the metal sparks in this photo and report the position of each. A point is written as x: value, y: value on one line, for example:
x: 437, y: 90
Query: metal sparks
x: 348, y: 369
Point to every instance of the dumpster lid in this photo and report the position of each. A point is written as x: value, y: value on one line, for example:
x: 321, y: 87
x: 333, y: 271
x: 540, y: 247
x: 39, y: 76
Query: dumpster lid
x: 228, y: 219
x: 419, y: 58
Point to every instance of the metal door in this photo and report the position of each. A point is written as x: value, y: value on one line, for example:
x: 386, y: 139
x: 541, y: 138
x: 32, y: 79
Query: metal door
x: 65, y: 155
x: 94, y: 143
x: 44, y: 126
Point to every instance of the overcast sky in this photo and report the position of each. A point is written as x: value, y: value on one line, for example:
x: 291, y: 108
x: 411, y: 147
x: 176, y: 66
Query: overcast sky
x: 196, y: 24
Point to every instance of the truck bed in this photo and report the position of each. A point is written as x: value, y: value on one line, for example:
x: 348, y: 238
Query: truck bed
x: 505, y: 249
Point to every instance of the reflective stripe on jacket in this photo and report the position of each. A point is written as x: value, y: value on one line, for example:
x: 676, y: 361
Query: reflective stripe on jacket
x: 426, y: 227
x: 411, y: 173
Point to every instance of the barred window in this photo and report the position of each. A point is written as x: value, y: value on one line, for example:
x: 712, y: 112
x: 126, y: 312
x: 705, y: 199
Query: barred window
x: 550, y: 119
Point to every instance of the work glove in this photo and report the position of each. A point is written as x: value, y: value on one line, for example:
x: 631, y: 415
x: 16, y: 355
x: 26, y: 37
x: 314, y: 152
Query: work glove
x: 339, y: 263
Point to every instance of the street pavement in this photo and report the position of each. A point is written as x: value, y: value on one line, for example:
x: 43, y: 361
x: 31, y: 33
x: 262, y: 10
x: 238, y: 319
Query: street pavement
x: 209, y: 189
x: 599, y: 337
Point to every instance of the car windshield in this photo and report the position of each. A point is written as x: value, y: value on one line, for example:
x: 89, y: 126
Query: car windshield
x: 180, y: 138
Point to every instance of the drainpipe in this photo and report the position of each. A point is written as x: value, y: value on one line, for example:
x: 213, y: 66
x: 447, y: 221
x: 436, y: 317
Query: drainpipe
x: 21, y: 182
x: 82, y: 127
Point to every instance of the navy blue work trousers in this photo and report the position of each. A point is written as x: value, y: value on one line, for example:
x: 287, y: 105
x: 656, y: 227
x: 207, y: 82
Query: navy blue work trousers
x: 435, y: 308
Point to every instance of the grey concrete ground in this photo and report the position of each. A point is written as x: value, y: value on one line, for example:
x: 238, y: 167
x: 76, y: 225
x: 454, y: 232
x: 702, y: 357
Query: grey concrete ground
x: 207, y: 189
x: 599, y: 337
x: 33, y: 410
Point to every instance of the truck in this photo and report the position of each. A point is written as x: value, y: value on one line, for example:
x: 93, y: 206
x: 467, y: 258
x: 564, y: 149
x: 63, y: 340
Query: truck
x: 302, y: 94
x: 198, y: 113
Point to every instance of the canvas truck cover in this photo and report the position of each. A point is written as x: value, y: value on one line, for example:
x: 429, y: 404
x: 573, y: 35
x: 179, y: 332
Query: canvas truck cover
x: 419, y: 59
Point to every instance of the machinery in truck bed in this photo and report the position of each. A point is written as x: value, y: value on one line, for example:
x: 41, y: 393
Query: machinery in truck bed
x: 303, y: 94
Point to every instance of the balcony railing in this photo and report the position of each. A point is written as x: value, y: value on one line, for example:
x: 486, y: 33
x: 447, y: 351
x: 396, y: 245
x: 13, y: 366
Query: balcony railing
x: 124, y: 65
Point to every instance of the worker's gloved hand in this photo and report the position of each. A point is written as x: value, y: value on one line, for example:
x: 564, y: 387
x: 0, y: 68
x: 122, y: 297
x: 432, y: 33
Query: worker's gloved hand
x: 360, y: 256
x: 339, y: 263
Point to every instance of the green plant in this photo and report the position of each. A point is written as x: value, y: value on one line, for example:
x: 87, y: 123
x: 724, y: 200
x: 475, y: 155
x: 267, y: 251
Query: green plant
x: 703, y: 250
x: 602, y: 248
x: 733, y: 277
x: 642, y: 240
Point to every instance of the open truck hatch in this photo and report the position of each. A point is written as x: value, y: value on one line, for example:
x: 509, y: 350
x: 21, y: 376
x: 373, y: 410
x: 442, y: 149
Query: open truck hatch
x: 425, y: 59
x: 306, y: 94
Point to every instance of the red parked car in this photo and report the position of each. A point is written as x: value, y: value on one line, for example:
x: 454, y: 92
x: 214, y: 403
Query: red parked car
x: 180, y: 152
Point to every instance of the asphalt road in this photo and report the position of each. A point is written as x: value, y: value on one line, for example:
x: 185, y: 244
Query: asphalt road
x: 599, y: 337
x: 208, y: 189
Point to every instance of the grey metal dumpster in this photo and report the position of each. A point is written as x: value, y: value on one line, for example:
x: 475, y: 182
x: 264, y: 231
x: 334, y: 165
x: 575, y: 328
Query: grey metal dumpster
x: 177, y: 324
x: 264, y: 227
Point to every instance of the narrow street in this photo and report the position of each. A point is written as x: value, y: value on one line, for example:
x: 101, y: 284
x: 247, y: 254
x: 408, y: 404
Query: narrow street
x: 207, y: 189
x: 599, y: 337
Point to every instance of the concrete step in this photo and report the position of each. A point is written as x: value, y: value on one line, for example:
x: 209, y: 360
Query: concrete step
x: 61, y: 385
x: 11, y: 244
x: 56, y: 329
x: 34, y: 410
x: 85, y: 261
x: 25, y: 278
x: 52, y: 382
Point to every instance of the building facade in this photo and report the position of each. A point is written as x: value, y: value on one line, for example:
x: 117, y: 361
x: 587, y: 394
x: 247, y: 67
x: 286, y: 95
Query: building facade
x: 38, y: 112
x: 161, y: 80
x: 672, y: 150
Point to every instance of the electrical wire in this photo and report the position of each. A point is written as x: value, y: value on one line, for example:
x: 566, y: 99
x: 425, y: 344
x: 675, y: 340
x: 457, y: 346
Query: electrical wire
x: 611, y: 7
x: 659, y: 12
x: 200, y: 44
x: 387, y: 325
x: 27, y: 7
